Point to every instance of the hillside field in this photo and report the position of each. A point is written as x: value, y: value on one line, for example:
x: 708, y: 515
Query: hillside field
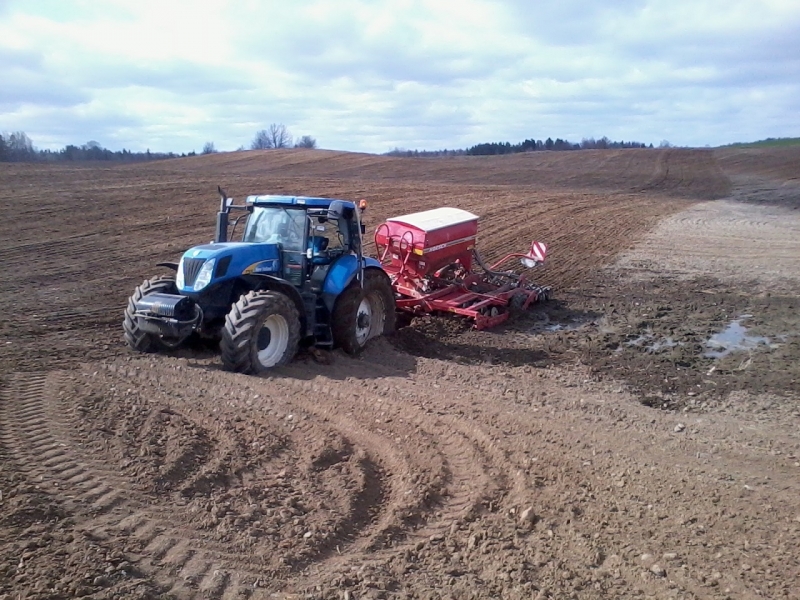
x: 635, y: 437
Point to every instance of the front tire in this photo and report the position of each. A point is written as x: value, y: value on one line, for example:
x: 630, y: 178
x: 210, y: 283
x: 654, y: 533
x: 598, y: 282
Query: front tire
x: 362, y: 314
x: 261, y: 331
x: 137, y: 339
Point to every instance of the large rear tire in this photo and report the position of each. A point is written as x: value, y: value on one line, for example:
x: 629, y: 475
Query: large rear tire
x: 362, y: 314
x: 137, y: 339
x: 261, y: 331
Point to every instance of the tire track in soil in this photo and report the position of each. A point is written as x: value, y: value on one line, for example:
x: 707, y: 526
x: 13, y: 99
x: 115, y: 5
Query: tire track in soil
x: 456, y: 471
x: 372, y: 528
x: 411, y: 490
x: 39, y: 438
x: 105, y: 506
x: 475, y: 474
x: 366, y: 498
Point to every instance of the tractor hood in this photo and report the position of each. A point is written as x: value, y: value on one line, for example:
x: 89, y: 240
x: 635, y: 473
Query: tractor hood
x: 212, y: 263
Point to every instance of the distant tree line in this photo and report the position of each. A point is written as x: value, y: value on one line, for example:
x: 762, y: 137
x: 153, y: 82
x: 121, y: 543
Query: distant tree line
x: 18, y: 147
x: 529, y: 145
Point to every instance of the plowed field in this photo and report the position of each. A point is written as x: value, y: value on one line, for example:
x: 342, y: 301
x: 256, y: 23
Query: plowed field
x: 635, y: 437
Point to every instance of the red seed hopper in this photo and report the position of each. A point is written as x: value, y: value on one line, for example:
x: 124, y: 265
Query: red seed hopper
x: 434, y: 266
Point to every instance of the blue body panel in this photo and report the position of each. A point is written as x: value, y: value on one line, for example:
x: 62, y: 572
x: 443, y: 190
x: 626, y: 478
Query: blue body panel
x: 246, y: 258
x: 340, y: 275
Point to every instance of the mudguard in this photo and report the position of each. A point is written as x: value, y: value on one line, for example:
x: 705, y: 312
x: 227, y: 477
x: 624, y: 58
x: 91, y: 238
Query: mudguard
x: 341, y: 273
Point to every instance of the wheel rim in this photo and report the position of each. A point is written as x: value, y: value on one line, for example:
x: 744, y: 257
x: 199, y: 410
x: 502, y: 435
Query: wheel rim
x: 369, y: 318
x: 272, y: 340
x: 363, y: 321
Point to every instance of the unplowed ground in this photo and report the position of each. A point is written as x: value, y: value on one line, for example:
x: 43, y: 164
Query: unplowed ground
x: 606, y: 444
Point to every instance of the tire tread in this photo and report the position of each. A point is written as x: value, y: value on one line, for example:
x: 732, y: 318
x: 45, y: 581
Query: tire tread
x: 237, y: 345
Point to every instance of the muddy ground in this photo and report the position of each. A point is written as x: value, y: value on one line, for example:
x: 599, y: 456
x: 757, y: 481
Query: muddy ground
x: 635, y: 437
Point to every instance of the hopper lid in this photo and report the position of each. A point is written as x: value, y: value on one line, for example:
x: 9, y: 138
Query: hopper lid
x: 437, y: 218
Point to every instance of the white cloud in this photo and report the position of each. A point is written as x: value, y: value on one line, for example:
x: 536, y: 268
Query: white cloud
x: 374, y: 74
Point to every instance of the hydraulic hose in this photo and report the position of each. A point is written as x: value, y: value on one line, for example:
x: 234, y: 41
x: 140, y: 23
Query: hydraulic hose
x: 483, y: 266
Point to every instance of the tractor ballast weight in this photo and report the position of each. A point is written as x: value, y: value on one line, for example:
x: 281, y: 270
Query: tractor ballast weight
x: 434, y: 266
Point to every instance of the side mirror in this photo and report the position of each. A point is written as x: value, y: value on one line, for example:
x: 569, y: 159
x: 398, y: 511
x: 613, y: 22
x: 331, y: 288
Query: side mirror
x: 338, y: 210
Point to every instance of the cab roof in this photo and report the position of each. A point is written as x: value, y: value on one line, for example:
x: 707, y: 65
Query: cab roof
x: 264, y: 199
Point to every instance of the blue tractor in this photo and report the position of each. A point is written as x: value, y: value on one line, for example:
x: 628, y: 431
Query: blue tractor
x: 297, y: 276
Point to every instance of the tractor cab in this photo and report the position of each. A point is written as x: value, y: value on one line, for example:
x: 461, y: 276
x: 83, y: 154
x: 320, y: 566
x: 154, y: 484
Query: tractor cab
x: 276, y: 225
x: 311, y: 233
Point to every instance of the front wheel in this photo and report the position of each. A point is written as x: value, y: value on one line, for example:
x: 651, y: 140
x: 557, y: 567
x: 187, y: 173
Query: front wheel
x: 137, y: 339
x: 261, y: 331
x: 362, y: 314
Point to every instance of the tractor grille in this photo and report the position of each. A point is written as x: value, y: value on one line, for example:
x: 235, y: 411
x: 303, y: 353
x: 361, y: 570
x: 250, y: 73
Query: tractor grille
x: 191, y: 267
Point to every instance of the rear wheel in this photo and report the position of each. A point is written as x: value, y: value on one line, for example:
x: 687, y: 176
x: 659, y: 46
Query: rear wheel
x: 136, y: 338
x: 261, y: 331
x: 362, y: 314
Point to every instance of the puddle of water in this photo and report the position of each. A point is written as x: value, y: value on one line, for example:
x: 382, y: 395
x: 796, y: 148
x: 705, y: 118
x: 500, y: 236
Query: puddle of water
x: 734, y: 338
x: 640, y: 340
x: 550, y: 327
x: 651, y: 344
x: 660, y: 345
x: 563, y: 327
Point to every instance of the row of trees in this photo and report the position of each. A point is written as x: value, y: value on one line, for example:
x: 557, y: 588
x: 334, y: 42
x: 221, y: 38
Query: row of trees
x: 18, y: 147
x: 529, y: 145
x: 549, y: 144
x: 278, y: 136
x: 275, y: 136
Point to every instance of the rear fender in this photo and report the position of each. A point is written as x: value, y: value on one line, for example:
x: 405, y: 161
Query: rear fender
x: 341, y: 274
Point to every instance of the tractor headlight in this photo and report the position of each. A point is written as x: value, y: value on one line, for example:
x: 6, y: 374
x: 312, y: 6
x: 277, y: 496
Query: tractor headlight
x: 179, y: 281
x: 204, y: 276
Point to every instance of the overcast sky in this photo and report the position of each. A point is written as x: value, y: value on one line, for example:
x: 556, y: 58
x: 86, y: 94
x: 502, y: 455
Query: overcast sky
x: 372, y: 75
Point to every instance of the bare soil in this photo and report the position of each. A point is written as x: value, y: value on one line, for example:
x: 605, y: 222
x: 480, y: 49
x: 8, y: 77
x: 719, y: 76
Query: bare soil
x: 607, y: 444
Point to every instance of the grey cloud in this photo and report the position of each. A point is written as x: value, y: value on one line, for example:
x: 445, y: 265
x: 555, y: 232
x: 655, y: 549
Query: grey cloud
x: 26, y: 81
x: 13, y: 58
x: 714, y: 47
x: 567, y: 22
x: 59, y: 126
x: 179, y: 77
x: 397, y: 66
x: 22, y: 87
x: 341, y: 47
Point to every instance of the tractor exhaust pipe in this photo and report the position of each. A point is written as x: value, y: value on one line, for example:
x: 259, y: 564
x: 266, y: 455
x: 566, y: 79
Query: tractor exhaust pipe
x: 221, y: 234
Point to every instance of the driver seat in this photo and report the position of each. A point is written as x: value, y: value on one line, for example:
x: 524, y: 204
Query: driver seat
x: 319, y: 245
